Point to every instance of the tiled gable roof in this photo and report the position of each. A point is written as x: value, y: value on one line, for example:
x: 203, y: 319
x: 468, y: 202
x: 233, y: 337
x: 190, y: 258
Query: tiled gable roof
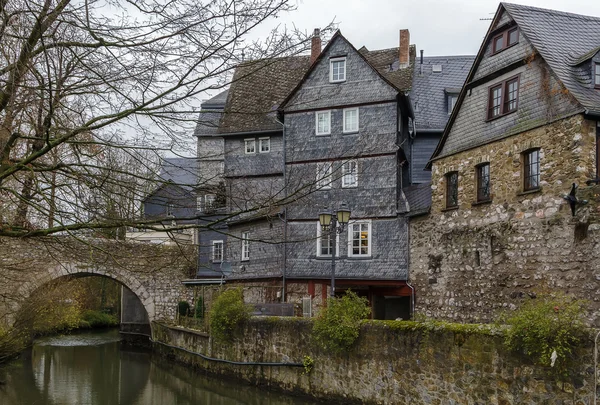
x: 430, y: 89
x: 562, y: 39
x: 180, y: 171
x: 210, y: 115
x: 419, y: 198
x: 257, y: 90
x: 385, y: 61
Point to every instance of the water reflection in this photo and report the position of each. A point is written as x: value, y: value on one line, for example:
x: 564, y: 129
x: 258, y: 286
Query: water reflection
x: 93, y: 368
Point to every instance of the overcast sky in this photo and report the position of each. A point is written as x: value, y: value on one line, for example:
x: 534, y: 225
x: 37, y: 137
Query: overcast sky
x: 440, y: 27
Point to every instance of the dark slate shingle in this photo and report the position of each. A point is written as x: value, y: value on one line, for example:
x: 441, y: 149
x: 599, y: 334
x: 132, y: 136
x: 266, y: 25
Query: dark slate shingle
x: 562, y: 39
x: 430, y: 89
x: 181, y: 171
x: 419, y: 198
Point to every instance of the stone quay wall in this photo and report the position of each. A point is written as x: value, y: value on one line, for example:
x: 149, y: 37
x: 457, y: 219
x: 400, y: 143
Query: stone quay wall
x: 471, y: 263
x: 393, y: 362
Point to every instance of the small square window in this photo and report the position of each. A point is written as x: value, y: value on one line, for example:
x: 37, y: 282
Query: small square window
x: 436, y: 68
x: 597, y: 75
x: 337, y: 70
x: 359, y: 238
x: 531, y: 170
x: 505, y: 39
x: 217, y: 251
x: 264, y: 145
x: 350, y: 120
x: 452, y: 190
x: 483, y: 182
x: 250, y: 145
x: 245, y: 246
x: 209, y: 201
x: 350, y: 174
x: 323, y: 122
x: 324, y: 176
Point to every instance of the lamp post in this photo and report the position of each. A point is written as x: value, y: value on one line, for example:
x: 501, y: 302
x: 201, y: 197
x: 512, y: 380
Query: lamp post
x: 334, y: 222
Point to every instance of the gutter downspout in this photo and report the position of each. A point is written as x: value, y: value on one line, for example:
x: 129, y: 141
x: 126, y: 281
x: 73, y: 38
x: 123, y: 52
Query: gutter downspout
x: 285, y: 221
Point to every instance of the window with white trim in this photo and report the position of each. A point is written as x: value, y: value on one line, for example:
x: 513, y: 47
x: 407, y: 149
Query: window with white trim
x: 264, y: 145
x: 323, y: 122
x: 245, y: 245
x: 350, y: 120
x: 350, y: 174
x: 170, y: 209
x: 324, y: 176
x: 324, y: 243
x: 250, y: 145
x: 337, y: 70
x: 359, y: 239
x: 451, y: 102
x: 217, y: 251
x: 597, y: 75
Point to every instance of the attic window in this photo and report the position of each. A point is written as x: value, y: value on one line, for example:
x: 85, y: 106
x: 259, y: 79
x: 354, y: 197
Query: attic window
x: 505, y: 39
x: 451, y: 102
x: 436, y: 68
x: 597, y: 75
x: 337, y: 70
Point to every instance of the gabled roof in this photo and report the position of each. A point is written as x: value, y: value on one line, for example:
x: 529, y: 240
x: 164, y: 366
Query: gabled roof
x: 430, y: 89
x: 384, y: 63
x: 418, y: 197
x: 562, y: 39
x: 257, y: 89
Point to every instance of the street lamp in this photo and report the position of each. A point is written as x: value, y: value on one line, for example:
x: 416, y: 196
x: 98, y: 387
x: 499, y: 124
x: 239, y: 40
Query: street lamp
x: 334, y: 222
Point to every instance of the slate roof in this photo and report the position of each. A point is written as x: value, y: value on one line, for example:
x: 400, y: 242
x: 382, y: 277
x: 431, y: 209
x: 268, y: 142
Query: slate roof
x: 210, y: 115
x: 430, y: 89
x: 562, y: 39
x: 257, y: 90
x: 419, y: 198
x: 386, y: 62
x: 181, y: 171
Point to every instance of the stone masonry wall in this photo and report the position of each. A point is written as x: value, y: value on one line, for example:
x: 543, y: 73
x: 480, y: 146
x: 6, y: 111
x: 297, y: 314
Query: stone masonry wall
x: 390, y: 364
x: 470, y: 263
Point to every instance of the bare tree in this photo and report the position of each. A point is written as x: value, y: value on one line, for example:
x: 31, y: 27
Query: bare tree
x: 77, y: 77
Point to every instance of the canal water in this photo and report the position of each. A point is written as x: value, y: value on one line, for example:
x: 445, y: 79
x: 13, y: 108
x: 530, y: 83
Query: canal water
x: 94, y: 368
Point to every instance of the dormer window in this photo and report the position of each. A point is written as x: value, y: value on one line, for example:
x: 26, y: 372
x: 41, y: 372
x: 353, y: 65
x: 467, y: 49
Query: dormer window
x: 597, y: 75
x: 451, y: 102
x: 505, y: 39
x: 337, y: 70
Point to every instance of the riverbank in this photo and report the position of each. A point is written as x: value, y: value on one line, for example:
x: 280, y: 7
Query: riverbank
x: 17, y: 339
x: 391, y: 363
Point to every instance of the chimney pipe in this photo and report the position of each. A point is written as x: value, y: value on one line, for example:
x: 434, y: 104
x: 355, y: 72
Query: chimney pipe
x: 404, y: 53
x: 421, y: 67
x: 315, y: 45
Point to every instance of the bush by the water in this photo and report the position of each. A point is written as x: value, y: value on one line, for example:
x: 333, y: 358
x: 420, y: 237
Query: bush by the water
x: 547, y: 325
x: 228, y: 313
x: 338, y: 325
x: 97, y: 319
x: 183, y: 308
x: 199, y: 308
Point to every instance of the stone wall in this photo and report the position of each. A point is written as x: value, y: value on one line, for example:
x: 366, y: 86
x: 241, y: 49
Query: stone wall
x: 390, y: 364
x: 470, y: 263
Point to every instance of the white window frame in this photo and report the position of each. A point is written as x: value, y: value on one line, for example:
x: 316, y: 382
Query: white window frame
x: 351, y: 226
x: 245, y: 246
x: 337, y: 242
x: 452, y: 99
x: 348, y: 174
x: 215, y: 243
x: 209, y: 201
x: 324, y: 178
x: 200, y: 203
x: 331, y: 62
x: 247, y: 142
x: 170, y: 209
x: 345, y: 129
x: 262, y: 142
x: 328, y: 114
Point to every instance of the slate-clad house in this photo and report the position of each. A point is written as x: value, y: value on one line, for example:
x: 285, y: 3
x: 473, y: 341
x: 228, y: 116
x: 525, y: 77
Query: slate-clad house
x: 172, y: 202
x: 524, y: 129
x: 343, y: 125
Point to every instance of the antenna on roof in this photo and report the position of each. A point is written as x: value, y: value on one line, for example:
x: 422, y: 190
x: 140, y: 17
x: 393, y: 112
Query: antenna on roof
x: 243, y: 56
x: 486, y: 18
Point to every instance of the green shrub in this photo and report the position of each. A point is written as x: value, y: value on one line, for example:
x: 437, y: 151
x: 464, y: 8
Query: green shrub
x: 199, y: 308
x: 183, y: 308
x: 545, y: 325
x: 227, y: 314
x: 338, y: 325
x: 96, y: 319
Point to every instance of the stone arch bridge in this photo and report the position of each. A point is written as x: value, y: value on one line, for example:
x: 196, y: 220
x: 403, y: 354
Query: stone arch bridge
x: 152, y: 274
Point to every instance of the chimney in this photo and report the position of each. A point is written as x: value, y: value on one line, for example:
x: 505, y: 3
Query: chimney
x: 404, y: 48
x: 315, y: 45
x: 422, y: 62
